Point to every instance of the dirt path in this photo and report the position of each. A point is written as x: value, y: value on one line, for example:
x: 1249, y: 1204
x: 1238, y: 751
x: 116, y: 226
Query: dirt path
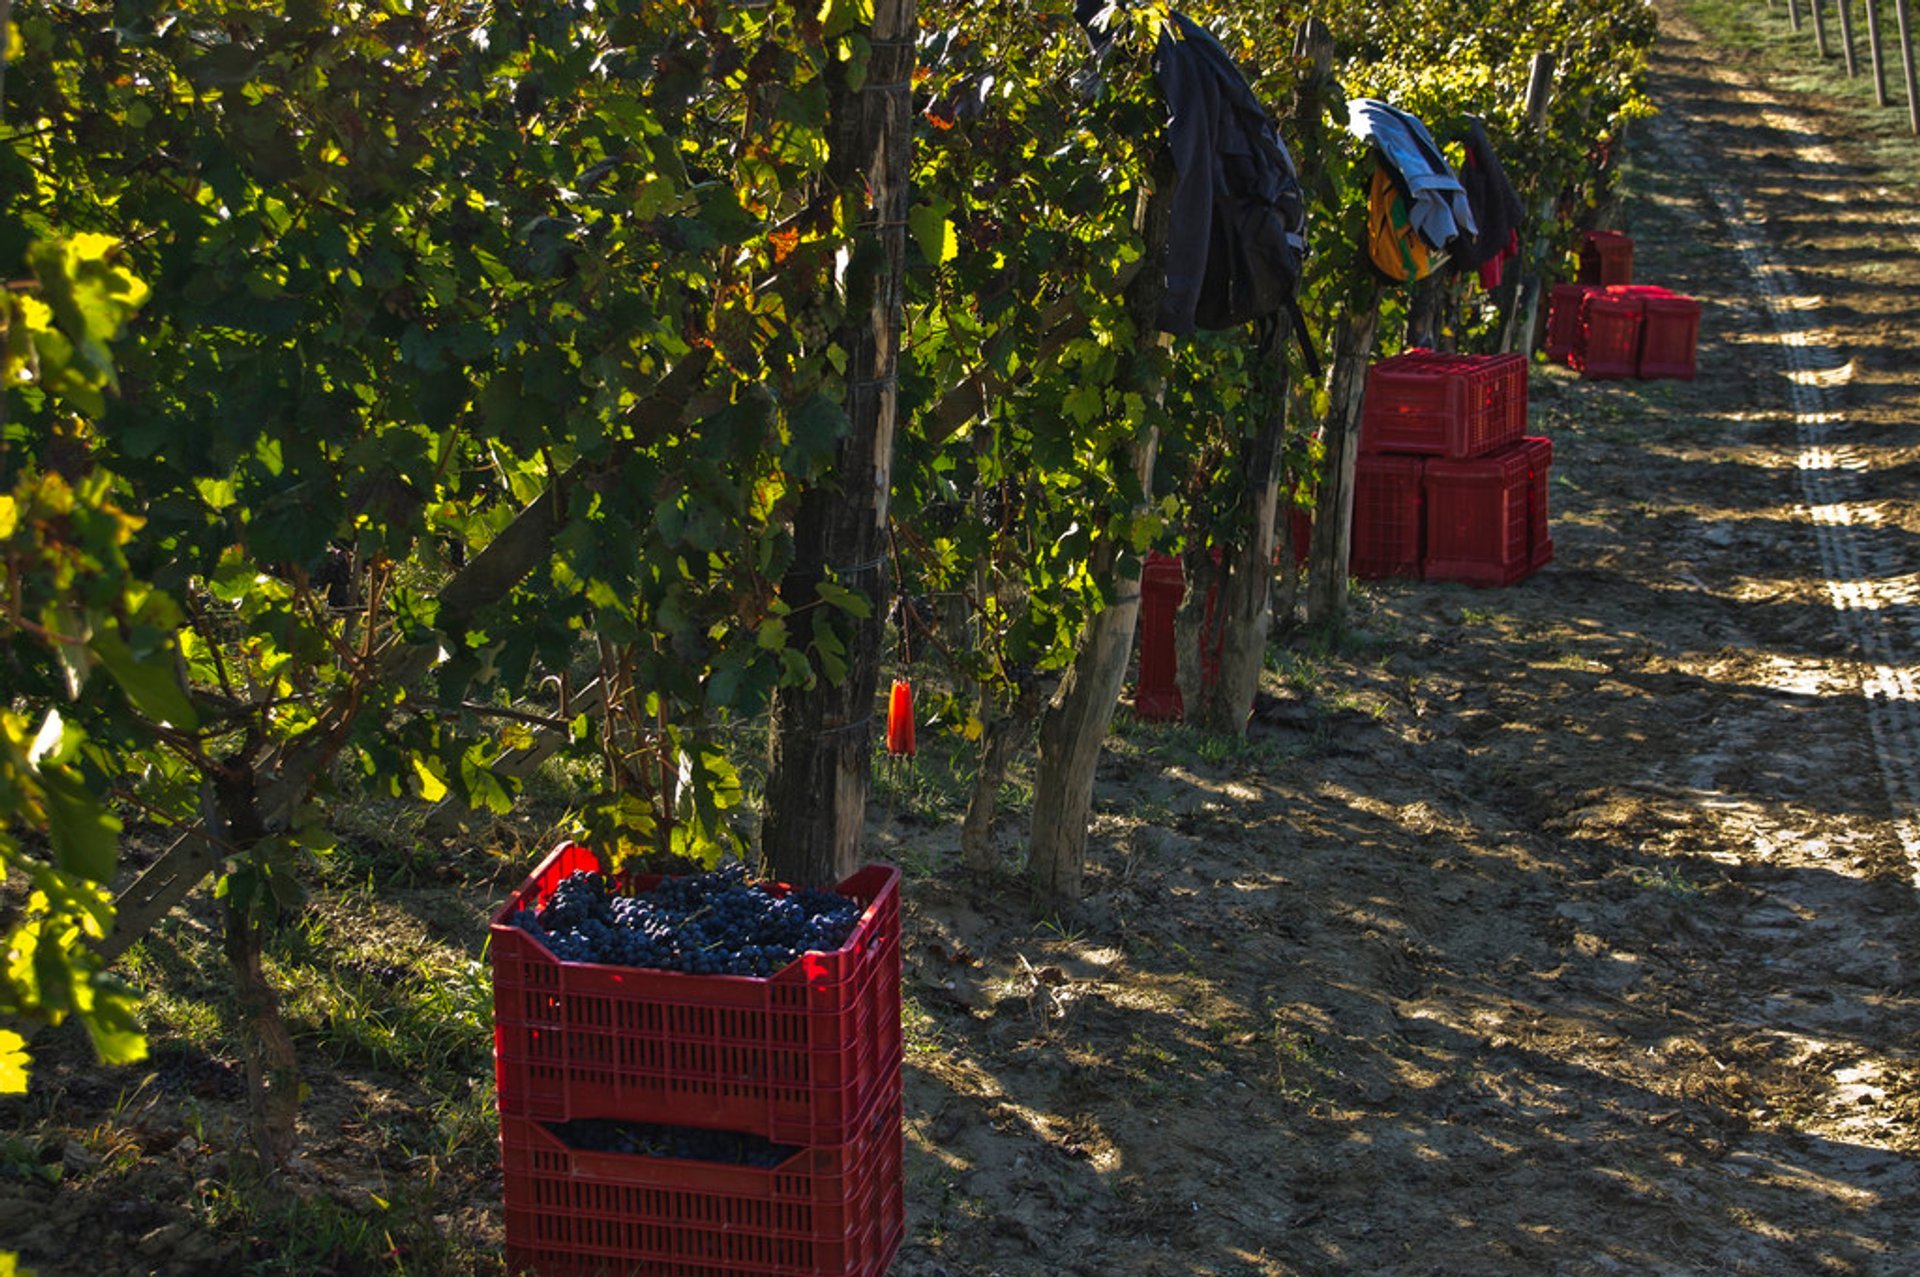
x: 1568, y: 929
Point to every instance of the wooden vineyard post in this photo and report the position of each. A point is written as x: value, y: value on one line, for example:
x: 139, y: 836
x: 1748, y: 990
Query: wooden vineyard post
x: 1819, y: 29
x: 1876, y: 54
x: 1333, y: 529
x: 1526, y: 300
x: 821, y: 740
x: 1906, y: 63
x: 1793, y: 14
x: 1846, y: 36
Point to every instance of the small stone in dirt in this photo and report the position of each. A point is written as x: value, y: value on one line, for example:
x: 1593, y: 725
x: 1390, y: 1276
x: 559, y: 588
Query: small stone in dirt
x: 79, y: 1159
x: 165, y: 1239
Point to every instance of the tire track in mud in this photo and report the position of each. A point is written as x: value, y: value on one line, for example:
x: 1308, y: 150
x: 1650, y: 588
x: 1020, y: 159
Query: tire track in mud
x: 1873, y: 590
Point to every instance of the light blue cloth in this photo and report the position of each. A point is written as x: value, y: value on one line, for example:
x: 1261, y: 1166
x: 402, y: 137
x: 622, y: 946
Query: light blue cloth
x: 1439, y: 208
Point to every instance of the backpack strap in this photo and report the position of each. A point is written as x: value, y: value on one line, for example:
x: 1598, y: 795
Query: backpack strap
x: 1302, y: 336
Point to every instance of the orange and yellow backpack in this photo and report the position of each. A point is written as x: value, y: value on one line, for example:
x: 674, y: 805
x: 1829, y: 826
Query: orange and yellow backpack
x: 1395, y: 248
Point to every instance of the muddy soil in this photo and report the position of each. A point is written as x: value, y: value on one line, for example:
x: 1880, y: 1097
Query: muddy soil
x: 1563, y: 929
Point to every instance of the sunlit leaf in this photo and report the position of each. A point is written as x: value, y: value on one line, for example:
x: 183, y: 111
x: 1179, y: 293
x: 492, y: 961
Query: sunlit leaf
x: 14, y: 1062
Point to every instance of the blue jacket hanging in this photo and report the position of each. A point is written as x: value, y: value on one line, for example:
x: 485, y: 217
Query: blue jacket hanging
x: 1436, y: 201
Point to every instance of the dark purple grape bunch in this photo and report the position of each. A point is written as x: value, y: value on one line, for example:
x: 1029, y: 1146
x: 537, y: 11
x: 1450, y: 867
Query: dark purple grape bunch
x: 715, y: 923
x: 646, y: 1139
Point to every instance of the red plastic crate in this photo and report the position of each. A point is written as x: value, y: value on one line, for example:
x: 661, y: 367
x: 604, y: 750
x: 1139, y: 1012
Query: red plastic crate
x: 796, y: 1057
x: 1539, y: 529
x: 1669, y: 335
x: 1606, y: 257
x: 1156, y: 689
x: 1446, y: 405
x: 1563, y: 320
x: 833, y: 1211
x: 1386, y: 516
x: 1610, y: 324
x: 1479, y: 518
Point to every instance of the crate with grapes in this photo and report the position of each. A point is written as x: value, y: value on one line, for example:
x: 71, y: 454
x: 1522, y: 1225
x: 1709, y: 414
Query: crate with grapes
x: 706, y: 1000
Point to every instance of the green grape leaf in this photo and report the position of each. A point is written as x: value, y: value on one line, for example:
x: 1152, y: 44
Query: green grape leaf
x: 152, y: 685
x: 85, y: 836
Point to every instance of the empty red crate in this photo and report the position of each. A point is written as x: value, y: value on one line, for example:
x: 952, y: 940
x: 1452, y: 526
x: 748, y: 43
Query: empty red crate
x: 1386, y: 516
x: 1669, y: 335
x: 796, y: 1057
x: 1479, y: 517
x: 1606, y: 257
x: 1539, y: 529
x: 1444, y: 405
x: 1156, y: 690
x: 833, y: 1211
x: 1610, y: 324
x: 1563, y: 320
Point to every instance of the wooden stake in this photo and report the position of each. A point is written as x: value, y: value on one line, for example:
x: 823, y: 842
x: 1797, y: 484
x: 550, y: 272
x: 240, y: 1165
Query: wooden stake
x: 1846, y: 36
x: 1333, y: 525
x: 1526, y: 298
x: 1793, y: 14
x: 1875, y: 52
x: 1819, y: 28
x: 1906, y: 62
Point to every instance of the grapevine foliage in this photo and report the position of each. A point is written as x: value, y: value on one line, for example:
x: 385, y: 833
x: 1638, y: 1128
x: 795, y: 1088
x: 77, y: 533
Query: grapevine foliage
x: 366, y: 366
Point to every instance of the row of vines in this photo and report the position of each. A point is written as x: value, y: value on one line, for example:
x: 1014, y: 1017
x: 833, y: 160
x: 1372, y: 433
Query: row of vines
x: 390, y: 383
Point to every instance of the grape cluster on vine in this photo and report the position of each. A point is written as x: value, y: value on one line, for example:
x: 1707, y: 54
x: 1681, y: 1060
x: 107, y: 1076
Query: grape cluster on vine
x: 648, y: 1139
x: 713, y: 923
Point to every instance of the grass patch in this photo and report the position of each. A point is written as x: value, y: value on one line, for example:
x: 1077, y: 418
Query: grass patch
x: 1787, y: 59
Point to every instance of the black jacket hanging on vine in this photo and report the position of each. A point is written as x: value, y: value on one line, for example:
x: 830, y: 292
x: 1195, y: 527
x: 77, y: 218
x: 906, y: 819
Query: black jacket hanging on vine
x: 1496, y: 207
x: 1238, y: 217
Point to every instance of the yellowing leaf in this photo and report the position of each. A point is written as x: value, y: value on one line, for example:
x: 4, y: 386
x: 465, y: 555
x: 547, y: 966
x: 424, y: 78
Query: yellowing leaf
x: 432, y: 788
x: 13, y: 1081
x: 9, y: 516
x: 973, y: 729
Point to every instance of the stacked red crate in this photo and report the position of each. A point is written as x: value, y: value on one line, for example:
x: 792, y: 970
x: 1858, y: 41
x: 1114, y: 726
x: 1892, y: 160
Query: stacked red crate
x: 1539, y: 531
x: 1669, y: 335
x: 808, y: 1058
x: 1564, y: 303
x: 1386, y: 515
x: 1605, y: 325
x: 1606, y: 257
x: 1447, y: 485
x: 1610, y: 324
x: 1444, y: 405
